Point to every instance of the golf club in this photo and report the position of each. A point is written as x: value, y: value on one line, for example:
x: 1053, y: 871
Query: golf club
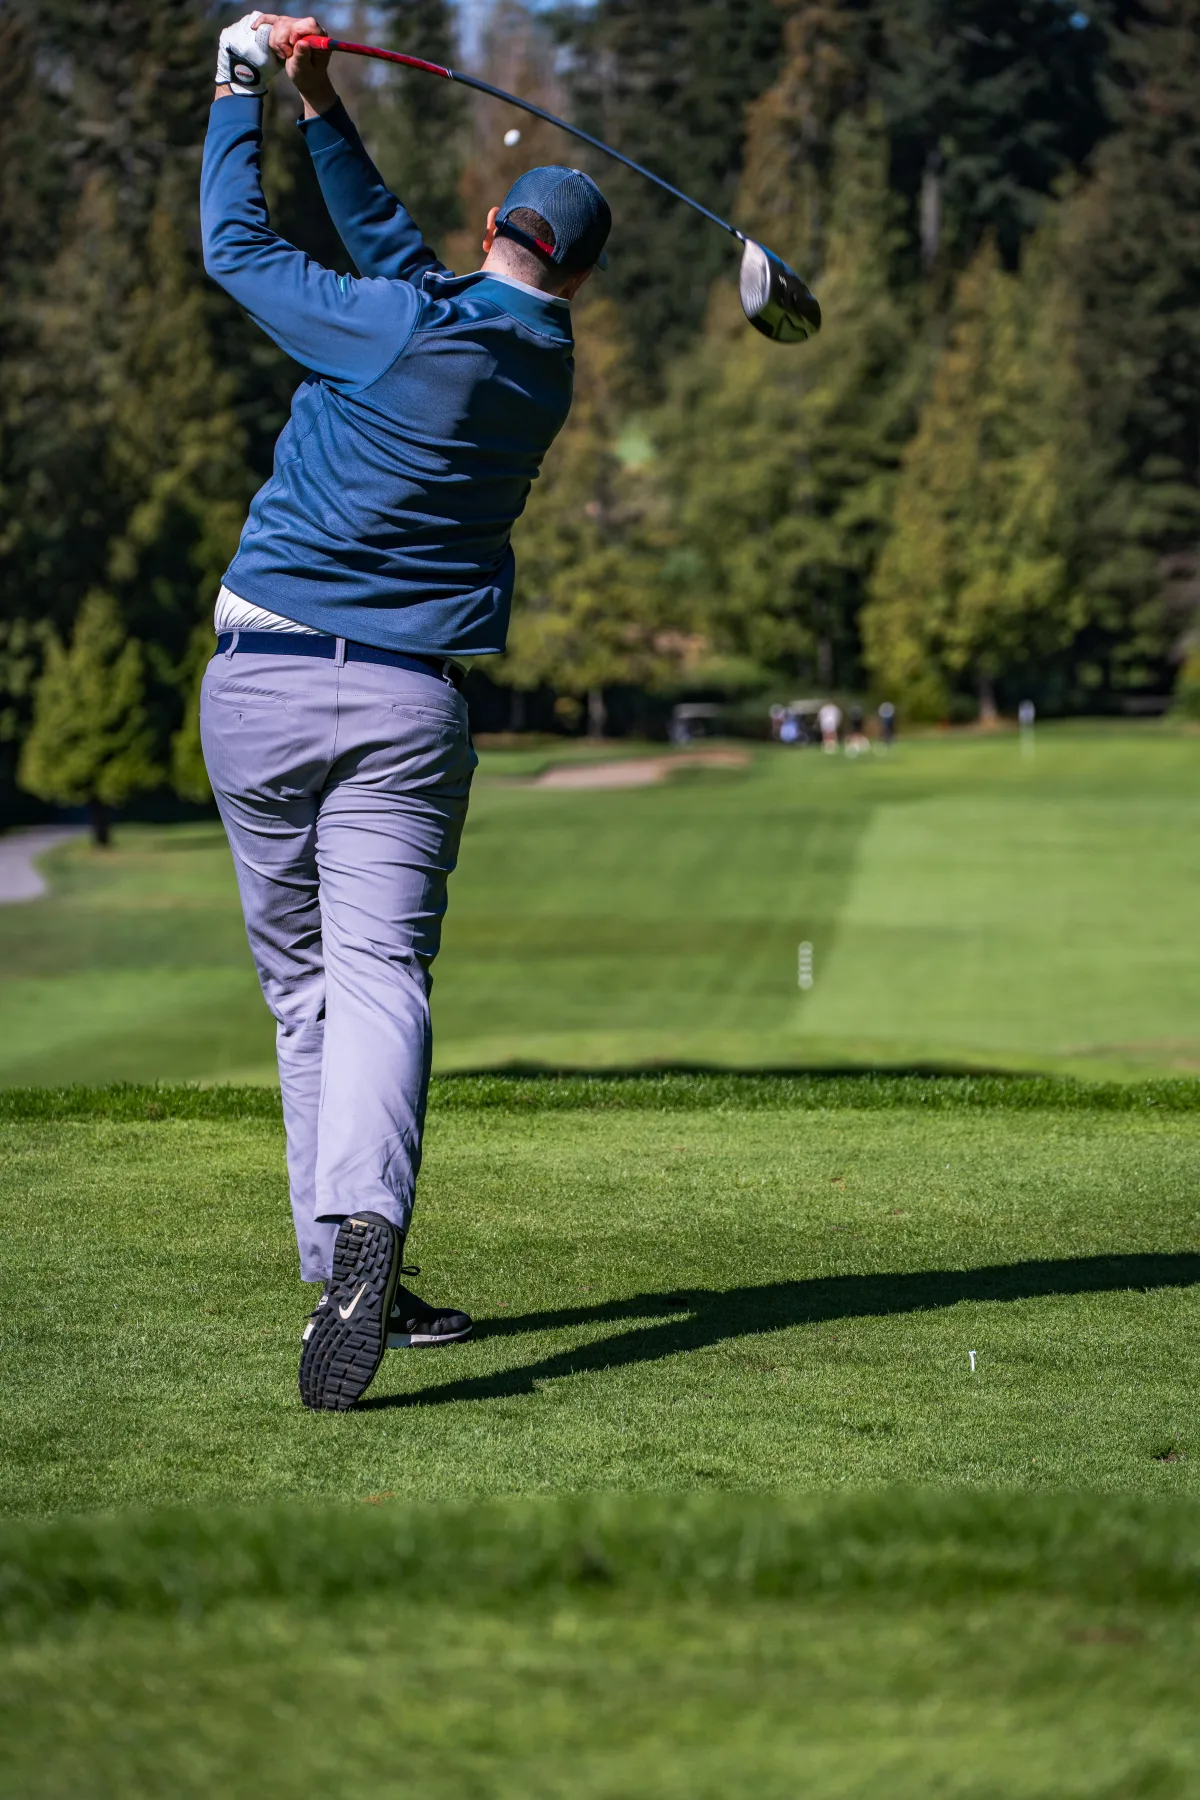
x: 774, y: 298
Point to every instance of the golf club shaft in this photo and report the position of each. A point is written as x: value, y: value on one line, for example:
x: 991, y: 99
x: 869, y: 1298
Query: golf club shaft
x: 485, y: 87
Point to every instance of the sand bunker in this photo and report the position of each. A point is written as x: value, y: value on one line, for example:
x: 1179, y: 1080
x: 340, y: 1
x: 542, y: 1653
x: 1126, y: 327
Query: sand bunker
x: 637, y: 771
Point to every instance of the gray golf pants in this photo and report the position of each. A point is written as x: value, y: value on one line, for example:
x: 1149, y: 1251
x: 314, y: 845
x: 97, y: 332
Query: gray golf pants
x: 343, y: 790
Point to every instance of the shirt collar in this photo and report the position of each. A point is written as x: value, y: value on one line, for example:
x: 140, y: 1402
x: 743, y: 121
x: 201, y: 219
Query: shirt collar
x: 545, y: 313
x: 526, y: 287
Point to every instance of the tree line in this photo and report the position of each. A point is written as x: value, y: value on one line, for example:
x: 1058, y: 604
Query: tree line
x: 982, y: 482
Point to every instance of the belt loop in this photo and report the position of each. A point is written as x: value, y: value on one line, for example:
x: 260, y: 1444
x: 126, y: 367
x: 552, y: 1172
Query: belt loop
x: 448, y: 673
x: 339, y: 653
x: 233, y: 644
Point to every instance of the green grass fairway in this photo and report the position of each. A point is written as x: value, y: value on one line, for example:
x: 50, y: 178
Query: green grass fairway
x: 678, y: 1295
x: 879, y: 1646
x: 968, y: 907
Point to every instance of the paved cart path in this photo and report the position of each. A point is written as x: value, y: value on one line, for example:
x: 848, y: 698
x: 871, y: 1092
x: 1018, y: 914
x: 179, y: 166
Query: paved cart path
x: 20, y: 879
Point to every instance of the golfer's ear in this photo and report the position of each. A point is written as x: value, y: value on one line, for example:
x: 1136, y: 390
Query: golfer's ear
x: 489, y: 230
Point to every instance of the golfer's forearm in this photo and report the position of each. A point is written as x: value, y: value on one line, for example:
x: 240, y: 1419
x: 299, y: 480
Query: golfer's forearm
x: 337, y: 327
x: 379, y: 234
x: 319, y: 99
x: 233, y: 212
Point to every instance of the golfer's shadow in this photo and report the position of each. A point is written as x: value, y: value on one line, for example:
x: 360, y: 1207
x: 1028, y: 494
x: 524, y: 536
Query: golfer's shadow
x: 699, y: 1317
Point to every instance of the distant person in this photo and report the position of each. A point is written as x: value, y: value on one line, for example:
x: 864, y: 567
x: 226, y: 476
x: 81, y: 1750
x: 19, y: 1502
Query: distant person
x: 857, y: 741
x: 887, y: 723
x: 789, y: 729
x: 1026, y: 714
x: 830, y: 721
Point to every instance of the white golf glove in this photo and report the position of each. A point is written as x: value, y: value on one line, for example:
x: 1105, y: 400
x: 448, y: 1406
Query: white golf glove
x: 244, y: 56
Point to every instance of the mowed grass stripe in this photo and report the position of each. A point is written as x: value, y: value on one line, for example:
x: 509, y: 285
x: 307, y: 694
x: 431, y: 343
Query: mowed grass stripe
x: 968, y: 909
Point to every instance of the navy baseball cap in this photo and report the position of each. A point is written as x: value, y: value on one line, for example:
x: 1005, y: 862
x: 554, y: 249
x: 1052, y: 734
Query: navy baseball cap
x: 573, y: 207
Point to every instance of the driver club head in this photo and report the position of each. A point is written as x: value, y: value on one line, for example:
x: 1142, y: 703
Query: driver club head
x: 774, y: 298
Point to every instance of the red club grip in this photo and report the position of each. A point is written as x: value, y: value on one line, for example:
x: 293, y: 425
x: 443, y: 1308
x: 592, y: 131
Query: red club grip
x: 409, y: 62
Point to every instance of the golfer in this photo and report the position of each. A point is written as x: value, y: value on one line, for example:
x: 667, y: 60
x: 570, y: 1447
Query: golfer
x: 374, y: 562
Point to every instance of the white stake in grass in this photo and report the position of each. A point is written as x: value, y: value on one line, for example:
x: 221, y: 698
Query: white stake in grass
x: 971, y: 1354
x: 804, y: 967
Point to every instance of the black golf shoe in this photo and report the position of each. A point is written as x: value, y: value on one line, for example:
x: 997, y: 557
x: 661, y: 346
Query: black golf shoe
x: 414, y: 1322
x: 346, y: 1336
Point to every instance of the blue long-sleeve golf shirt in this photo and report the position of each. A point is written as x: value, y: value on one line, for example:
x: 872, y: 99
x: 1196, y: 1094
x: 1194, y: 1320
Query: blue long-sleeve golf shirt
x: 413, y: 442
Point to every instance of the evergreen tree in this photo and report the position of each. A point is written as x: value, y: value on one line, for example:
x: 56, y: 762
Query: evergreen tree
x: 780, y: 467
x: 416, y: 125
x: 91, y: 743
x: 669, y: 85
x: 34, y: 181
x: 980, y: 573
x: 830, y: 54
x: 986, y: 107
x: 989, y: 105
x: 1131, y: 249
x: 587, y: 615
x: 34, y: 190
x: 124, y: 461
x: 516, y: 51
x: 1187, y: 689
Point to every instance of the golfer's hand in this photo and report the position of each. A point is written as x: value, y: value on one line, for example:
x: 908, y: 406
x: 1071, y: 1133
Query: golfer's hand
x: 245, y: 60
x: 308, y: 70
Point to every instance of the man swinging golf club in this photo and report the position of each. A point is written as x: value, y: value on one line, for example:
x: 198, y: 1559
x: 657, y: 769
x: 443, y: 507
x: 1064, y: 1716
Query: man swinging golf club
x: 374, y: 559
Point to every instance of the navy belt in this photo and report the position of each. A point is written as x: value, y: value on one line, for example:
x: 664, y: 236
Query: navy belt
x: 339, y: 651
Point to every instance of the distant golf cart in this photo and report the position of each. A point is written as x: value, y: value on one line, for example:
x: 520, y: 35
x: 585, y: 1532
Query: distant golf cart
x: 797, y: 722
x: 695, y: 720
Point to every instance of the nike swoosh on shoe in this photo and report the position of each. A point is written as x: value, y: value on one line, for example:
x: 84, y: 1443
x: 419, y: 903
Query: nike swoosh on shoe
x: 344, y: 1312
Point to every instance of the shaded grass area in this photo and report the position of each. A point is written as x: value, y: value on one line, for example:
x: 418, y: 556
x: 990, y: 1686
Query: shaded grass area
x: 668, y: 1296
x: 670, y: 1091
x: 874, y: 1645
x: 969, y: 909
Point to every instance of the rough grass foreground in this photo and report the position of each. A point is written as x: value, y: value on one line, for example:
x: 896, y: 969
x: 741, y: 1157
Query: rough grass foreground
x: 877, y: 1645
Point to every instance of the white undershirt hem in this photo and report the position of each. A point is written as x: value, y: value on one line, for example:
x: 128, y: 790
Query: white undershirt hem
x: 232, y: 613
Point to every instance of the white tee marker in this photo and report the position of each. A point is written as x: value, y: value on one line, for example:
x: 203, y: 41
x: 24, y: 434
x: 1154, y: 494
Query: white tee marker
x: 804, y: 966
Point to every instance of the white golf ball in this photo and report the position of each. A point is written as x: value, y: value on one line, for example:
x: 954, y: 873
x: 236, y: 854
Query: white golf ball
x: 512, y: 137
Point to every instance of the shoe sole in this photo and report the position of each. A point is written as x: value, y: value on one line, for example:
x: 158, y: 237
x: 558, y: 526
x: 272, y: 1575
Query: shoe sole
x: 416, y: 1340
x: 344, y: 1343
